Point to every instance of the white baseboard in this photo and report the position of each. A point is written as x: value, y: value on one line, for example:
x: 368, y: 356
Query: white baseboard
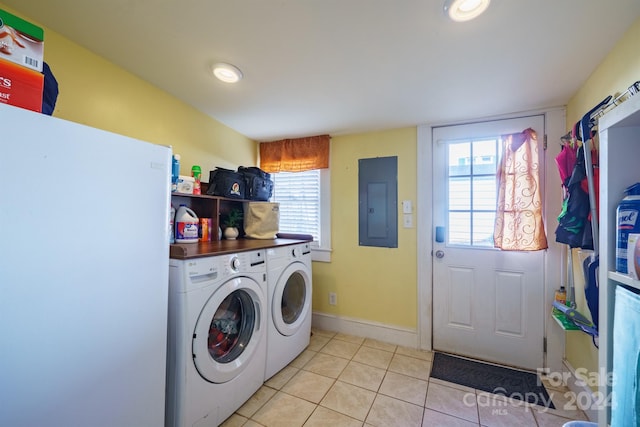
x: 580, y: 388
x: 363, y: 328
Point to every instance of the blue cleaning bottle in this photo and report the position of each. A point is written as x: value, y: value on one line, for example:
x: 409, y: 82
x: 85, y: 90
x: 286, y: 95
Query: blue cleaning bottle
x: 627, y: 212
x: 175, y: 172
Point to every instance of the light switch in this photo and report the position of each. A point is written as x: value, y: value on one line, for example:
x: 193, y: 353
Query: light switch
x: 407, y: 208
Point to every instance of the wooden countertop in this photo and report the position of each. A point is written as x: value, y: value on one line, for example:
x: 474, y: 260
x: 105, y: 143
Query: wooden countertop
x: 221, y: 247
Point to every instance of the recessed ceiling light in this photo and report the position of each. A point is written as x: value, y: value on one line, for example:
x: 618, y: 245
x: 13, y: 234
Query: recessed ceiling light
x: 226, y: 72
x: 465, y: 10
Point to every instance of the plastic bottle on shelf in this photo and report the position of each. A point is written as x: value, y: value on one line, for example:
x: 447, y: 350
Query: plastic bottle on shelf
x: 175, y: 171
x: 172, y: 217
x: 561, y: 297
x: 196, y: 173
x: 627, y: 213
x: 187, y: 223
x: 634, y: 271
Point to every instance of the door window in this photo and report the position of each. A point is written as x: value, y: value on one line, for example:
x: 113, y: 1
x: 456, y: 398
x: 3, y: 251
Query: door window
x: 293, y: 298
x: 472, y: 191
x: 231, y: 327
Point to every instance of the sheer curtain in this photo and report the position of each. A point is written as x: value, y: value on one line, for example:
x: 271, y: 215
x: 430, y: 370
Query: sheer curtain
x: 295, y: 155
x: 519, y: 223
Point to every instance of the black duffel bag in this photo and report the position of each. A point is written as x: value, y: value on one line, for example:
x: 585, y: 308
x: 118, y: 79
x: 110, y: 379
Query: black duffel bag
x: 258, y: 183
x: 226, y: 183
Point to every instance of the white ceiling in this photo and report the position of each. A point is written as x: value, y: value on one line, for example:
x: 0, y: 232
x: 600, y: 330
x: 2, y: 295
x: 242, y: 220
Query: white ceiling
x: 344, y: 66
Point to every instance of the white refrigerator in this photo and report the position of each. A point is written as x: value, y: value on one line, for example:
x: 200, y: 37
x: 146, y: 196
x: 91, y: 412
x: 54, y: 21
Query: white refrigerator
x: 83, y: 274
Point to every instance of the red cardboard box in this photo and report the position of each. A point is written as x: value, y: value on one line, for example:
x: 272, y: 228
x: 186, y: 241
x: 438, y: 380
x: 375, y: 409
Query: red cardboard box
x: 21, y: 41
x: 206, y: 229
x: 21, y: 86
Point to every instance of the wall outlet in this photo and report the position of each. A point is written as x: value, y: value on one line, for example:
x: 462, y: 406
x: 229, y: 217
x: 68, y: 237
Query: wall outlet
x: 407, y: 221
x: 333, y: 298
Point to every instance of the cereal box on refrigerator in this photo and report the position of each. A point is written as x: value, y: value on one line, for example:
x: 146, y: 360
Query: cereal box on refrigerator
x: 21, y: 41
x: 20, y: 86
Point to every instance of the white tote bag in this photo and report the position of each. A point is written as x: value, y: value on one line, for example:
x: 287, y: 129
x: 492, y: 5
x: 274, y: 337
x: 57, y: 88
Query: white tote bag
x: 261, y: 220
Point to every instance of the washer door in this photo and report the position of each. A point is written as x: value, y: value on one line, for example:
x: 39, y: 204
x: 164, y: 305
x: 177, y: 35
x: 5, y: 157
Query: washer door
x: 228, y: 330
x: 291, y: 298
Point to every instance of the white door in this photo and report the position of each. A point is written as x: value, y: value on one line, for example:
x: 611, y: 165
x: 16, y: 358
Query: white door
x: 487, y: 303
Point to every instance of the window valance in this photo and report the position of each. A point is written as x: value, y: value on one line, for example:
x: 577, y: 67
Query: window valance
x: 295, y: 155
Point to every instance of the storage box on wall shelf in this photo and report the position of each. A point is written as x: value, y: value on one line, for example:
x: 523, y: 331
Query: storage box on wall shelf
x: 20, y: 86
x: 185, y: 184
x: 21, y: 42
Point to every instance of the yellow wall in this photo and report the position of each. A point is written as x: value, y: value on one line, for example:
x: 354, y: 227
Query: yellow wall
x: 97, y: 93
x: 375, y: 284
x: 371, y: 283
x: 613, y: 76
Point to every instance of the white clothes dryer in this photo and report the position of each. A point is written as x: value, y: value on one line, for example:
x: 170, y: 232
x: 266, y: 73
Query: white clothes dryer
x: 217, y: 336
x: 289, y: 299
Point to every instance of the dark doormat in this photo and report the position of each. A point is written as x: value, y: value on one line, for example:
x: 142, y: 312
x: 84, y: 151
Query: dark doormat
x: 508, y: 382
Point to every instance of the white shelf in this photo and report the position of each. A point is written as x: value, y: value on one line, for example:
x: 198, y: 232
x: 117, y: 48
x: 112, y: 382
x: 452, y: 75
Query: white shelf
x: 624, y: 279
x: 619, y: 131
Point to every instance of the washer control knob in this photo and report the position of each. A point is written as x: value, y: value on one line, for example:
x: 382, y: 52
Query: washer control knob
x: 235, y: 263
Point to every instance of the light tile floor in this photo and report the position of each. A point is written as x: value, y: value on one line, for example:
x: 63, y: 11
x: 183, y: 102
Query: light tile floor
x: 342, y: 380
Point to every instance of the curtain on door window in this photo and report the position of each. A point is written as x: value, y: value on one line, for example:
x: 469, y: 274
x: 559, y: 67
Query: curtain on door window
x: 519, y: 224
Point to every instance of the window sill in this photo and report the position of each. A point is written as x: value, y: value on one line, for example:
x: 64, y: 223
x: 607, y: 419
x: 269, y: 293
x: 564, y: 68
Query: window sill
x: 320, y: 254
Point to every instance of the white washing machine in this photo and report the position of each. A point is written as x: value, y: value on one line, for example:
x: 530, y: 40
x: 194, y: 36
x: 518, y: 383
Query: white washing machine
x: 289, y: 299
x: 217, y: 336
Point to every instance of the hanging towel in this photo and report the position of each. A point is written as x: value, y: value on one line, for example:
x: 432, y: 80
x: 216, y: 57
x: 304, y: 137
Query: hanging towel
x: 625, y: 398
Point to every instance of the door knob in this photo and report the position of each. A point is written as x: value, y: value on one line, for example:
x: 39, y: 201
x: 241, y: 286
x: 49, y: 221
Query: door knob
x: 439, y: 254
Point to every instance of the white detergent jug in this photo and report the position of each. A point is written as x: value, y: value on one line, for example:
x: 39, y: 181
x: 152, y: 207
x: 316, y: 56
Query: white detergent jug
x: 186, y: 224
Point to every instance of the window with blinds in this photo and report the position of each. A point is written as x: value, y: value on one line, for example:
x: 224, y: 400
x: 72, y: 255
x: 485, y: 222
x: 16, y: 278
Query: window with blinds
x: 299, y: 195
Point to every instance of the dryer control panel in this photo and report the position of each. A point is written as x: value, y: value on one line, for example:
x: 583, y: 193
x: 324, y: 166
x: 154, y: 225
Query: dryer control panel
x: 299, y: 251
